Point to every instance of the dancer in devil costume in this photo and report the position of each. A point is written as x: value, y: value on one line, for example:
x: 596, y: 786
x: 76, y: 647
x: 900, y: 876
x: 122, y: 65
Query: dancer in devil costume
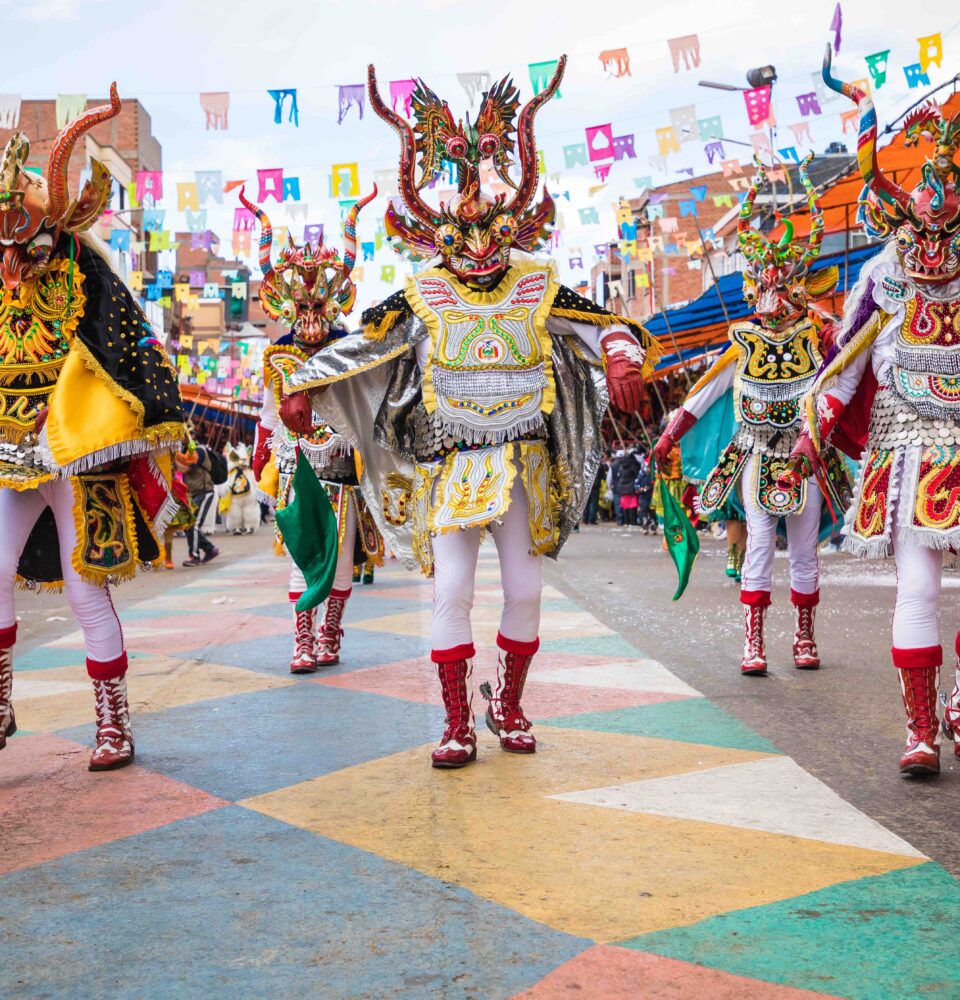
x: 475, y: 394
x: 310, y: 290
x: 891, y: 394
x: 90, y: 412
x: 769, y: 366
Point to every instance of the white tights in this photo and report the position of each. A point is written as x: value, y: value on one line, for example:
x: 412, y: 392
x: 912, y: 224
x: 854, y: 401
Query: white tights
x: 803, y: 531
x: 90, y: 604
x: 343, y: 578
x: 916, y: 616
x: 455, y: 568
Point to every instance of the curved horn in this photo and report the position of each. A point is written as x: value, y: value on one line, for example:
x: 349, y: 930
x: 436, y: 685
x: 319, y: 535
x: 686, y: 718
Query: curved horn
x: 527, y: 145
x: 812, y: 250
x: 787, y: 237
x: 63, y: 146
x: 886, y: 190
x: 408, y: 153
x: 747, y: 236
x: 266, y: 234
x: 350, y: 232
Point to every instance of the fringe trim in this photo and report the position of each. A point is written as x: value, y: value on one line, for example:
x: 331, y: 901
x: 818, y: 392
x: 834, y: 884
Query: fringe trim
x: 164, y: 516
x: 262, y: 497
x: 39, y: 586
x: 156, y: 438
x: 485, y: 436
x: 649, y: 343
x: 379, y: 331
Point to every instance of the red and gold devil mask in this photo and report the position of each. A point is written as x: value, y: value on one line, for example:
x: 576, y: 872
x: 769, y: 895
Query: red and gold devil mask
x: 34, y: 210
x: 474, y: 232
x: 776, y: 279
x: 310, y: 287
x: 926, y: 222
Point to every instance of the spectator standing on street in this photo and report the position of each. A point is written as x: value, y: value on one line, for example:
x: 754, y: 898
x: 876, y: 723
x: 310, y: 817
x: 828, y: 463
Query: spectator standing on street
x: 626, y: 478
x: 644, y: 486
x: 201, y: 469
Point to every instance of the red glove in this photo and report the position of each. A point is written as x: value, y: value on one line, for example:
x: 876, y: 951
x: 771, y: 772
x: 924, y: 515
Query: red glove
x: 296, y: 412
x: 624, y: 358
x: 261, y: 454
x: 805, y: 455
x: 682, y: 421
x: 803, y: 460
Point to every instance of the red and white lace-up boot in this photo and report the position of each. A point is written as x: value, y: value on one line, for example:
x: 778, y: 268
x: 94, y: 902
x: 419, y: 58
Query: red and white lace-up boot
x: 304, y: 643
x: 505, y: 718
x: 919, y: 671
x: 805, y: 654
x: 458, y: 745
x: 8, y: 722
x: 754, y: 662
x: 114, y: 740
x: 951, y: 708
x: 330, y: 633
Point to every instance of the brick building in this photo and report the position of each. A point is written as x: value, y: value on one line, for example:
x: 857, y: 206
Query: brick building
x: 125, y: 144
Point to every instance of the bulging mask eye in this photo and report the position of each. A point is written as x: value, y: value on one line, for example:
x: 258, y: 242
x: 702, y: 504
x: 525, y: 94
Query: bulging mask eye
x: 749, y: 292
x: 456, y: 147
x: 504, y: 229
x: 288, y: 312
x: 905, y: 238
x: 448, y: 239
x: 488, y: 144
x: 331, y: 310
x: 797, y: 295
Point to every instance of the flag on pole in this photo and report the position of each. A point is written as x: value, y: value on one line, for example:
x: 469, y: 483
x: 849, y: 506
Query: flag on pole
x: 309, y: 529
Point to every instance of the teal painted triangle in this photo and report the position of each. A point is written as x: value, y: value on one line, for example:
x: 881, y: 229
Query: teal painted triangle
x: 598, y: 645
x: 884, y: 937
x: 692, y: 720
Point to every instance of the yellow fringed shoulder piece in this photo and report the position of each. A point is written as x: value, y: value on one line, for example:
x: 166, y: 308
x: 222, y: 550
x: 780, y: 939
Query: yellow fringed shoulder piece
x: 648, y: 342
x: 88, y: 412
x: 378, y: 331
x: 822, y: 281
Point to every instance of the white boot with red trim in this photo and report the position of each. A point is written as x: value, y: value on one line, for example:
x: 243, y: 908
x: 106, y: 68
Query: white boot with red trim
x: 114, y: 741
x: 756, y: 602
x: 330, y: 633
x: 505, y: 718
x: 806, y: 656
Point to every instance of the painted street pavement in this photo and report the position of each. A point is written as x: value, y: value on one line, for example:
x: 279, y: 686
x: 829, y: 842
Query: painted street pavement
x: 286, y: 837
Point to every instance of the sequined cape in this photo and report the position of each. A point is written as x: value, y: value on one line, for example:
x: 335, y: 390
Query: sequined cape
x: 372, y: 384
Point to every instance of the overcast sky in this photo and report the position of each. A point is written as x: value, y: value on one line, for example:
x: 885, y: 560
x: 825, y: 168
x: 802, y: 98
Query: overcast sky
x: 166, y: 54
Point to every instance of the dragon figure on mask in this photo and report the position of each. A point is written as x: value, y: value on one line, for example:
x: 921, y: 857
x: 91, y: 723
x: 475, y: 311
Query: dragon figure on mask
x: 90, y: 411
x: 771, y: 364
x: 476, y: 392
x: 310, y: 290
x: 891, y: 397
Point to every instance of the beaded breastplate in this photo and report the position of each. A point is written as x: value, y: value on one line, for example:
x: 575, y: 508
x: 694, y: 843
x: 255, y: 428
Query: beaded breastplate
x: 775, y: 370
x: 926, y: 369
x: 489, y: 368
x: 37, y: 324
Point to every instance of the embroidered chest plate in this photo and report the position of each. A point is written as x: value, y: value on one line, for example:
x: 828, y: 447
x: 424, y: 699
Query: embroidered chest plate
x: 774, y: 372
x: 926, y: 369
x: 38, y: 321
x: 489, y: 366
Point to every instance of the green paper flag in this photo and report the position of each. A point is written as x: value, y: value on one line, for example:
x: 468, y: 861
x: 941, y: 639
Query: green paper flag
x: 309, y: 529
x: 680, y: 536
